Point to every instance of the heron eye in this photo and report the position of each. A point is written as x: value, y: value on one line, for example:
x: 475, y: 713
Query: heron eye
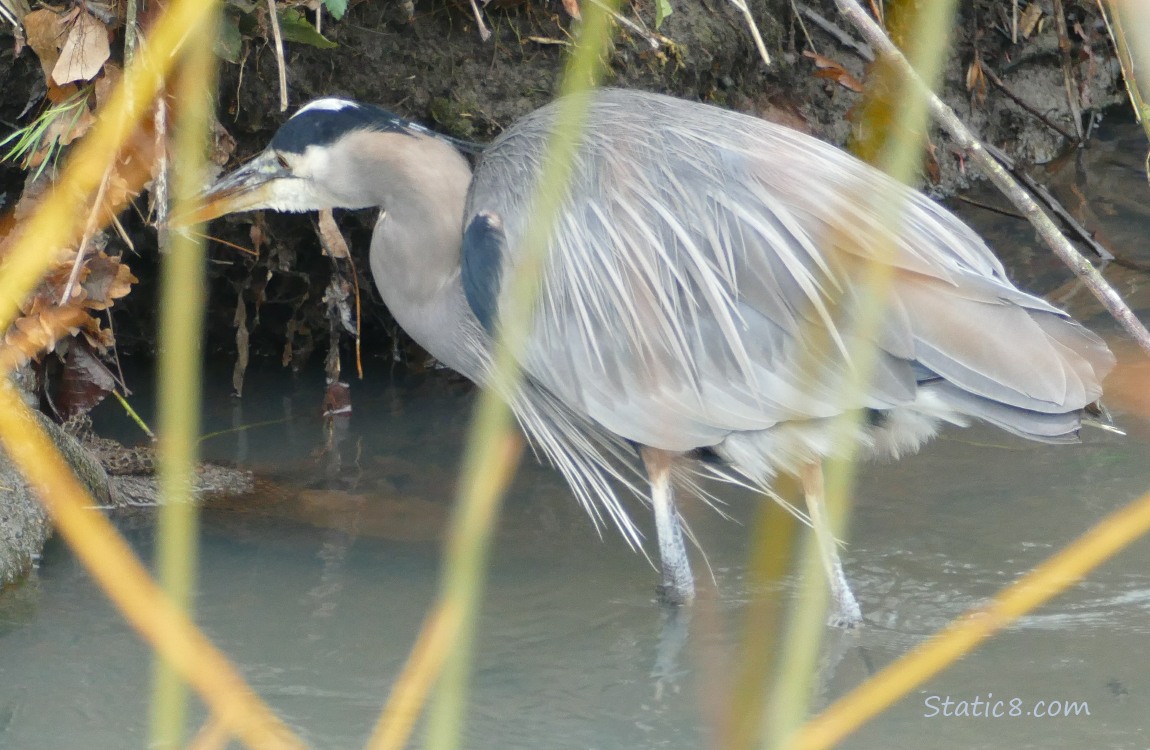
x: 283, y: 162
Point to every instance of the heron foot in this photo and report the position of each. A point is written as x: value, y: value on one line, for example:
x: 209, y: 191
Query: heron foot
x: 847, y: 614
x: 844, y: 621
x: 677, y: 588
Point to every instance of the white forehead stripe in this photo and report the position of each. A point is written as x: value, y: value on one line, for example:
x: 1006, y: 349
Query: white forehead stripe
x: 329, y: 104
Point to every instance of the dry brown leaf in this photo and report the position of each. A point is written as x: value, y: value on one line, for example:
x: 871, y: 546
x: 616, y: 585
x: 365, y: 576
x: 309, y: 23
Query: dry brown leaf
x: 1029, y: 19
x: 106, y: 279
x: 106, y: 84
x: 45, y: 323
x: 828, y: 68
x: 84, y: 52
x: 336, y: 399
x: 84, y: 380
x: 138, y: 165
x: 257, y: 234
x: 44, y: 30
x: 330, y: 238
x: 62, y: 94
x: 933, y: 170
x: 34, y: 334
x: 976, y: 80
x: 223, y: 145
x: 100, y: 339
x: 35, y: 188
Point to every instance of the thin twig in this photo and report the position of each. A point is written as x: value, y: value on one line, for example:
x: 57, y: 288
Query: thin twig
x: 1022, y: 103
x: 1001, y: 178
x: 274, y: 20
x: 121, y: 381
x: 132, y: 413
x: 163, y: 173
x: 802, y: 25
x: 1051, y: 202
x: 89, y: 231
x: 742, y: 7
x: 225, y: 243
x: 484, y: 32
x: 123, y: 234
x: 1069, y: 80
x: 989, y: 207
x: 845, y: 39
x: 654, y: 40
x: 876, y: 9
x: 131, y: 31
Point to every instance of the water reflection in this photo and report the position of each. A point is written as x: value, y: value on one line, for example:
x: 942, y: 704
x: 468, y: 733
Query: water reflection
x: 317, y: 584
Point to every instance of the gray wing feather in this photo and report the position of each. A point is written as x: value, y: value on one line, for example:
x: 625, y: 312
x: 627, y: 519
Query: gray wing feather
x: 701, y: 277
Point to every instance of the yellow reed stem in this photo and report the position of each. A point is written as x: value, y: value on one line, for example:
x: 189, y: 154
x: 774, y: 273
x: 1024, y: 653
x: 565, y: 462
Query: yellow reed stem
x: 183, y: 288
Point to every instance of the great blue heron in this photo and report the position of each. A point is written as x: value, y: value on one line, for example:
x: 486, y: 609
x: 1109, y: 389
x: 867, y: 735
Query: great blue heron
x: 695, y: 307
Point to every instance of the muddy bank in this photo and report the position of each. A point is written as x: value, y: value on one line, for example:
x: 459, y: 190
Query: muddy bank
x: 117, y: 477
x: 433, y: 67
x: 24, y: 524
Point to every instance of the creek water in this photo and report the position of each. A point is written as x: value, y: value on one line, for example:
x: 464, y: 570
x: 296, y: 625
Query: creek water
x: 316, y: 585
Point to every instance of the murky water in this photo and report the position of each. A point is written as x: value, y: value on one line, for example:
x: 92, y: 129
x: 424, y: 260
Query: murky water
x: 317, y: 586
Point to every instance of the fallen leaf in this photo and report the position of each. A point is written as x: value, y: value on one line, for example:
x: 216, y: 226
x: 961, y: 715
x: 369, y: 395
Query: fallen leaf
x: 106, y: 84
x: 44, y: 30
x: 976, y: 80
x: 61, y: 94
x: 337, y: 399
x: 330, y: 238
x: 223, y: 145
x: 35, y: 188
x: 84, y: 52
x: 107, y: 280
x: 828, y: 68
x: 100, y: 339
x: 84, y: 381
x: 30, y: 336
x: 243, y: 343
x: 1029, y: 19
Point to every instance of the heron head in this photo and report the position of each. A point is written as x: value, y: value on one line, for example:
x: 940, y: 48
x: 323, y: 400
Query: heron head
x: 315, y: 161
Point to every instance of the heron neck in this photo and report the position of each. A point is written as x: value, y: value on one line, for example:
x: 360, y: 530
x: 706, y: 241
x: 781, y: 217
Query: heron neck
x: 415, y: 249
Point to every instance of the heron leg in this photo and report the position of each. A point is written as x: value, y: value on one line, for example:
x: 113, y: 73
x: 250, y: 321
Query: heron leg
x: 678, y: 585
x: 846, y: 609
